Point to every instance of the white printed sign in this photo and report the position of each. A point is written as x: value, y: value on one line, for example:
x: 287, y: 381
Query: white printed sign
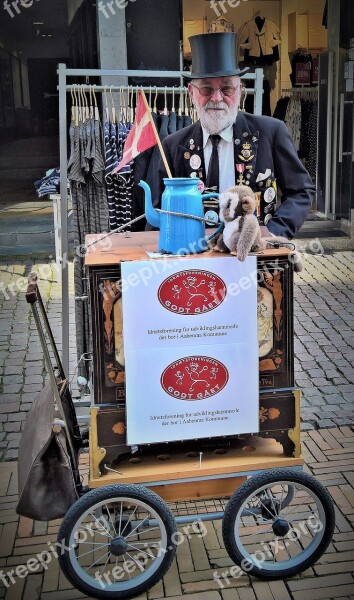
x: 191, y: 348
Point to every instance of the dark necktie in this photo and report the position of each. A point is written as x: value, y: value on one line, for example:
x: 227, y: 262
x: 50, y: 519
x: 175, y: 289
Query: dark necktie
x: 213, y: 170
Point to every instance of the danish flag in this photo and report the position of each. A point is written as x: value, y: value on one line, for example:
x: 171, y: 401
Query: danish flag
x: 141, y: 136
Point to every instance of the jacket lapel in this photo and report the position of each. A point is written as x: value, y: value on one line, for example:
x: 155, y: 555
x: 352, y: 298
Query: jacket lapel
x: 245, y: 152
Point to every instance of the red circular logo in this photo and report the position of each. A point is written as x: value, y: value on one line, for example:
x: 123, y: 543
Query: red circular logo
x: 192, y: 292
x: 194, y: 378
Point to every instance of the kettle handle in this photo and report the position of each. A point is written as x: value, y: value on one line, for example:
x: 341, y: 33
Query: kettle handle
x: 220, y: 227
x: 210, y: 195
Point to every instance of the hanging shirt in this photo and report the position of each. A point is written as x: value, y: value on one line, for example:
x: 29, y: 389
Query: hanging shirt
x: 226, y: 157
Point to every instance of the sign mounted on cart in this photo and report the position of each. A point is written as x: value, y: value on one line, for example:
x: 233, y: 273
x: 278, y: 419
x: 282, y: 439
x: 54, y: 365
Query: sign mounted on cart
x: 191, y: 348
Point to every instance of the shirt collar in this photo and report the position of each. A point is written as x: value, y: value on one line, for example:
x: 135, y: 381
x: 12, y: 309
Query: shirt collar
x: 225, y: 134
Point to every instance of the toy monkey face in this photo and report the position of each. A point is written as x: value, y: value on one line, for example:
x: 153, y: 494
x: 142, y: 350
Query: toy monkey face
x: 234, y: 204
x: 230, y: 207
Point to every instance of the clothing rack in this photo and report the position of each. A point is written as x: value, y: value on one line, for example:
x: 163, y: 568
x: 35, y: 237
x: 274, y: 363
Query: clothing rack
x: 64, y: 88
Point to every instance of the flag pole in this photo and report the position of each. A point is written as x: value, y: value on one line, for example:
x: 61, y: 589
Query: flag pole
x: 163, y: 155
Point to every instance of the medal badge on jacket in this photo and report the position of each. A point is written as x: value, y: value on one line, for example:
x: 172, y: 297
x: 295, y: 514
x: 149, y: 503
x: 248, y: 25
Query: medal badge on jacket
x: 267, y: 188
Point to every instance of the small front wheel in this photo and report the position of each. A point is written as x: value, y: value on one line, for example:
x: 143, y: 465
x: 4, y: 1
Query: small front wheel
x: 117, y: 541
x: 278, y: 523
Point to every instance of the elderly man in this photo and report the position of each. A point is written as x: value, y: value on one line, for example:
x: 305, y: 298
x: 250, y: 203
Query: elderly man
x: 227, y: 147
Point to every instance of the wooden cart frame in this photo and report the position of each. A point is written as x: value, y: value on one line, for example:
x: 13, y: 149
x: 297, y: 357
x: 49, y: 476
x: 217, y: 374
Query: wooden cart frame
x: 120, y: 538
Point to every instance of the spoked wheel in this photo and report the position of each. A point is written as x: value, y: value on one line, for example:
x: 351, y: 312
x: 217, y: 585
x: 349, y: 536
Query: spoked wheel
x: 278, y: 523
x: 117, y: 541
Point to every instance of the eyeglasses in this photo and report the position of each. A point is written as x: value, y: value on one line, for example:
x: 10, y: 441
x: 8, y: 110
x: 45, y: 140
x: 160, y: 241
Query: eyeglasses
x: 207, y: 90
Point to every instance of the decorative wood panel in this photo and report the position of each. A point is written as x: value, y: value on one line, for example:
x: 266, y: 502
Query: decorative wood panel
x: 279, y: 419
x: 275, y: 323
x: 108, y: 354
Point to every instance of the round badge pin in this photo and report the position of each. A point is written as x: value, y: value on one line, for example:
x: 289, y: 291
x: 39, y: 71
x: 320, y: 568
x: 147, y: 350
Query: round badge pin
x: 187, y: 155
x: 195, y: 161
x: 211, y: 216
x: 267, y: 218
x: 269, y: 194
x: 201, y: 186
x: 193, y: 174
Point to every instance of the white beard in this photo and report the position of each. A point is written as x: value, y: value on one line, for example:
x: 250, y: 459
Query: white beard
x: 216, y: 121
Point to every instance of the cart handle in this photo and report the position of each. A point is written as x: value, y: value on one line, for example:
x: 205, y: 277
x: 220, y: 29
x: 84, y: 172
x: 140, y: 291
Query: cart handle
x: 32, y: 288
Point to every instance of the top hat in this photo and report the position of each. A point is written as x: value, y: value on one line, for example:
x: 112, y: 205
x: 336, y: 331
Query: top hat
x: 214, y: 55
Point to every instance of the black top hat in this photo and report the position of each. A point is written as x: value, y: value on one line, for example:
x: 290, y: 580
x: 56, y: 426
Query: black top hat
x: 214, y: 55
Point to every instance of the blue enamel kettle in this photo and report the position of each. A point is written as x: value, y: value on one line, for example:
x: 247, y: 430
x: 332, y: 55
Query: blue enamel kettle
x: 181, y: 224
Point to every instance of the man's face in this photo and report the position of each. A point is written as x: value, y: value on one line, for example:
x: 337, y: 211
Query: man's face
x: 216, y: 111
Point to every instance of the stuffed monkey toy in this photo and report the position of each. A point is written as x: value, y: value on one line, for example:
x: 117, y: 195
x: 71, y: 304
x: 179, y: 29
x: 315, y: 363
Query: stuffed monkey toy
x: 242, y: 233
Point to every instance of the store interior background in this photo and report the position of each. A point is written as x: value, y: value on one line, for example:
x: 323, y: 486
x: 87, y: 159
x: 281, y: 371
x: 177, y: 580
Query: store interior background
x: 34, y: 40
x: 278, y: 74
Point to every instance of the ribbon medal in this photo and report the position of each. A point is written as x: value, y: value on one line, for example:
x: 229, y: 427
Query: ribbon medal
x: 240, y: 169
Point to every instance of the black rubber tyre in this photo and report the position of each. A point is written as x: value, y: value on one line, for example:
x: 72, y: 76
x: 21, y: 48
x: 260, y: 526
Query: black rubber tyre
x: 117, y: 541
x: 273, y: 534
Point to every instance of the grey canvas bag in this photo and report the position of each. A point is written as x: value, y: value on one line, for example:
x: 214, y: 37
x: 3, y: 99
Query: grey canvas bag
x: 46, y: 482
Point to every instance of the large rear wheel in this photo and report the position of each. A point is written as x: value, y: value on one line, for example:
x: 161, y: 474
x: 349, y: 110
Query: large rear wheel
x: 278, y: 523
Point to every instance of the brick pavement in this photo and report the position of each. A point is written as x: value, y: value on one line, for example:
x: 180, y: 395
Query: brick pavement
x: 324, y: 342
x: 329, y: 457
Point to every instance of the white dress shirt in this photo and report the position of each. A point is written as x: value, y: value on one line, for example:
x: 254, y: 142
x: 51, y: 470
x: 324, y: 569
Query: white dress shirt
x: 226, y: 157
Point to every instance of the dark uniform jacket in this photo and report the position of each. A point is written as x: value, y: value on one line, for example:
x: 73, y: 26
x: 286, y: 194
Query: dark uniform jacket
x: 265, y: 158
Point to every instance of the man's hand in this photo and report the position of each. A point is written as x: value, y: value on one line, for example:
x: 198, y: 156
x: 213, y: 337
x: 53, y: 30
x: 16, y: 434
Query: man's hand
x: 265, y: 233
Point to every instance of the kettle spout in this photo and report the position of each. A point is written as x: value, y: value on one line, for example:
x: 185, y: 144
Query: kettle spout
x: 152, y: 216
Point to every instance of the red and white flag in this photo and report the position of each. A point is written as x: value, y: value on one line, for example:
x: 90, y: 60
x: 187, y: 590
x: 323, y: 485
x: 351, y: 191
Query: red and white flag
x: 141, y: 136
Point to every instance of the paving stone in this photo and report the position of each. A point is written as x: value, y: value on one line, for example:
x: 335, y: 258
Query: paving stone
x: 11, y: 427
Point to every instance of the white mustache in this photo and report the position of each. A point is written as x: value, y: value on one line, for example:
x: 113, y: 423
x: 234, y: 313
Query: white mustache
x: 212, y: 104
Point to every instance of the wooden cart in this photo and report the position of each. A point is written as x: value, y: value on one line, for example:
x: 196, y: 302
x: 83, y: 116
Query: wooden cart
x: 121, y: 537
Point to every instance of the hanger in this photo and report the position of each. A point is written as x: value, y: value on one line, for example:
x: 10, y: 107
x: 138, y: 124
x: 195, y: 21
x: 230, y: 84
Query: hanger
x: 106, y: 103
x: 91, y: 102
x: 244, y: 100
x: 121, y: 104
x: 155, y: 99
x: 181, y: 103
x: 187, y: 105
x: 79, y: 103
x: 150, y: 99
x: 85, y: 103
x: 173, y: 100
x: 114, y: 120
x: 73, y: 107
x: 165, y: 111
x: 130, y: 114
x: 76, y: 110
x: 258, y: 13
x: 97, y: 114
